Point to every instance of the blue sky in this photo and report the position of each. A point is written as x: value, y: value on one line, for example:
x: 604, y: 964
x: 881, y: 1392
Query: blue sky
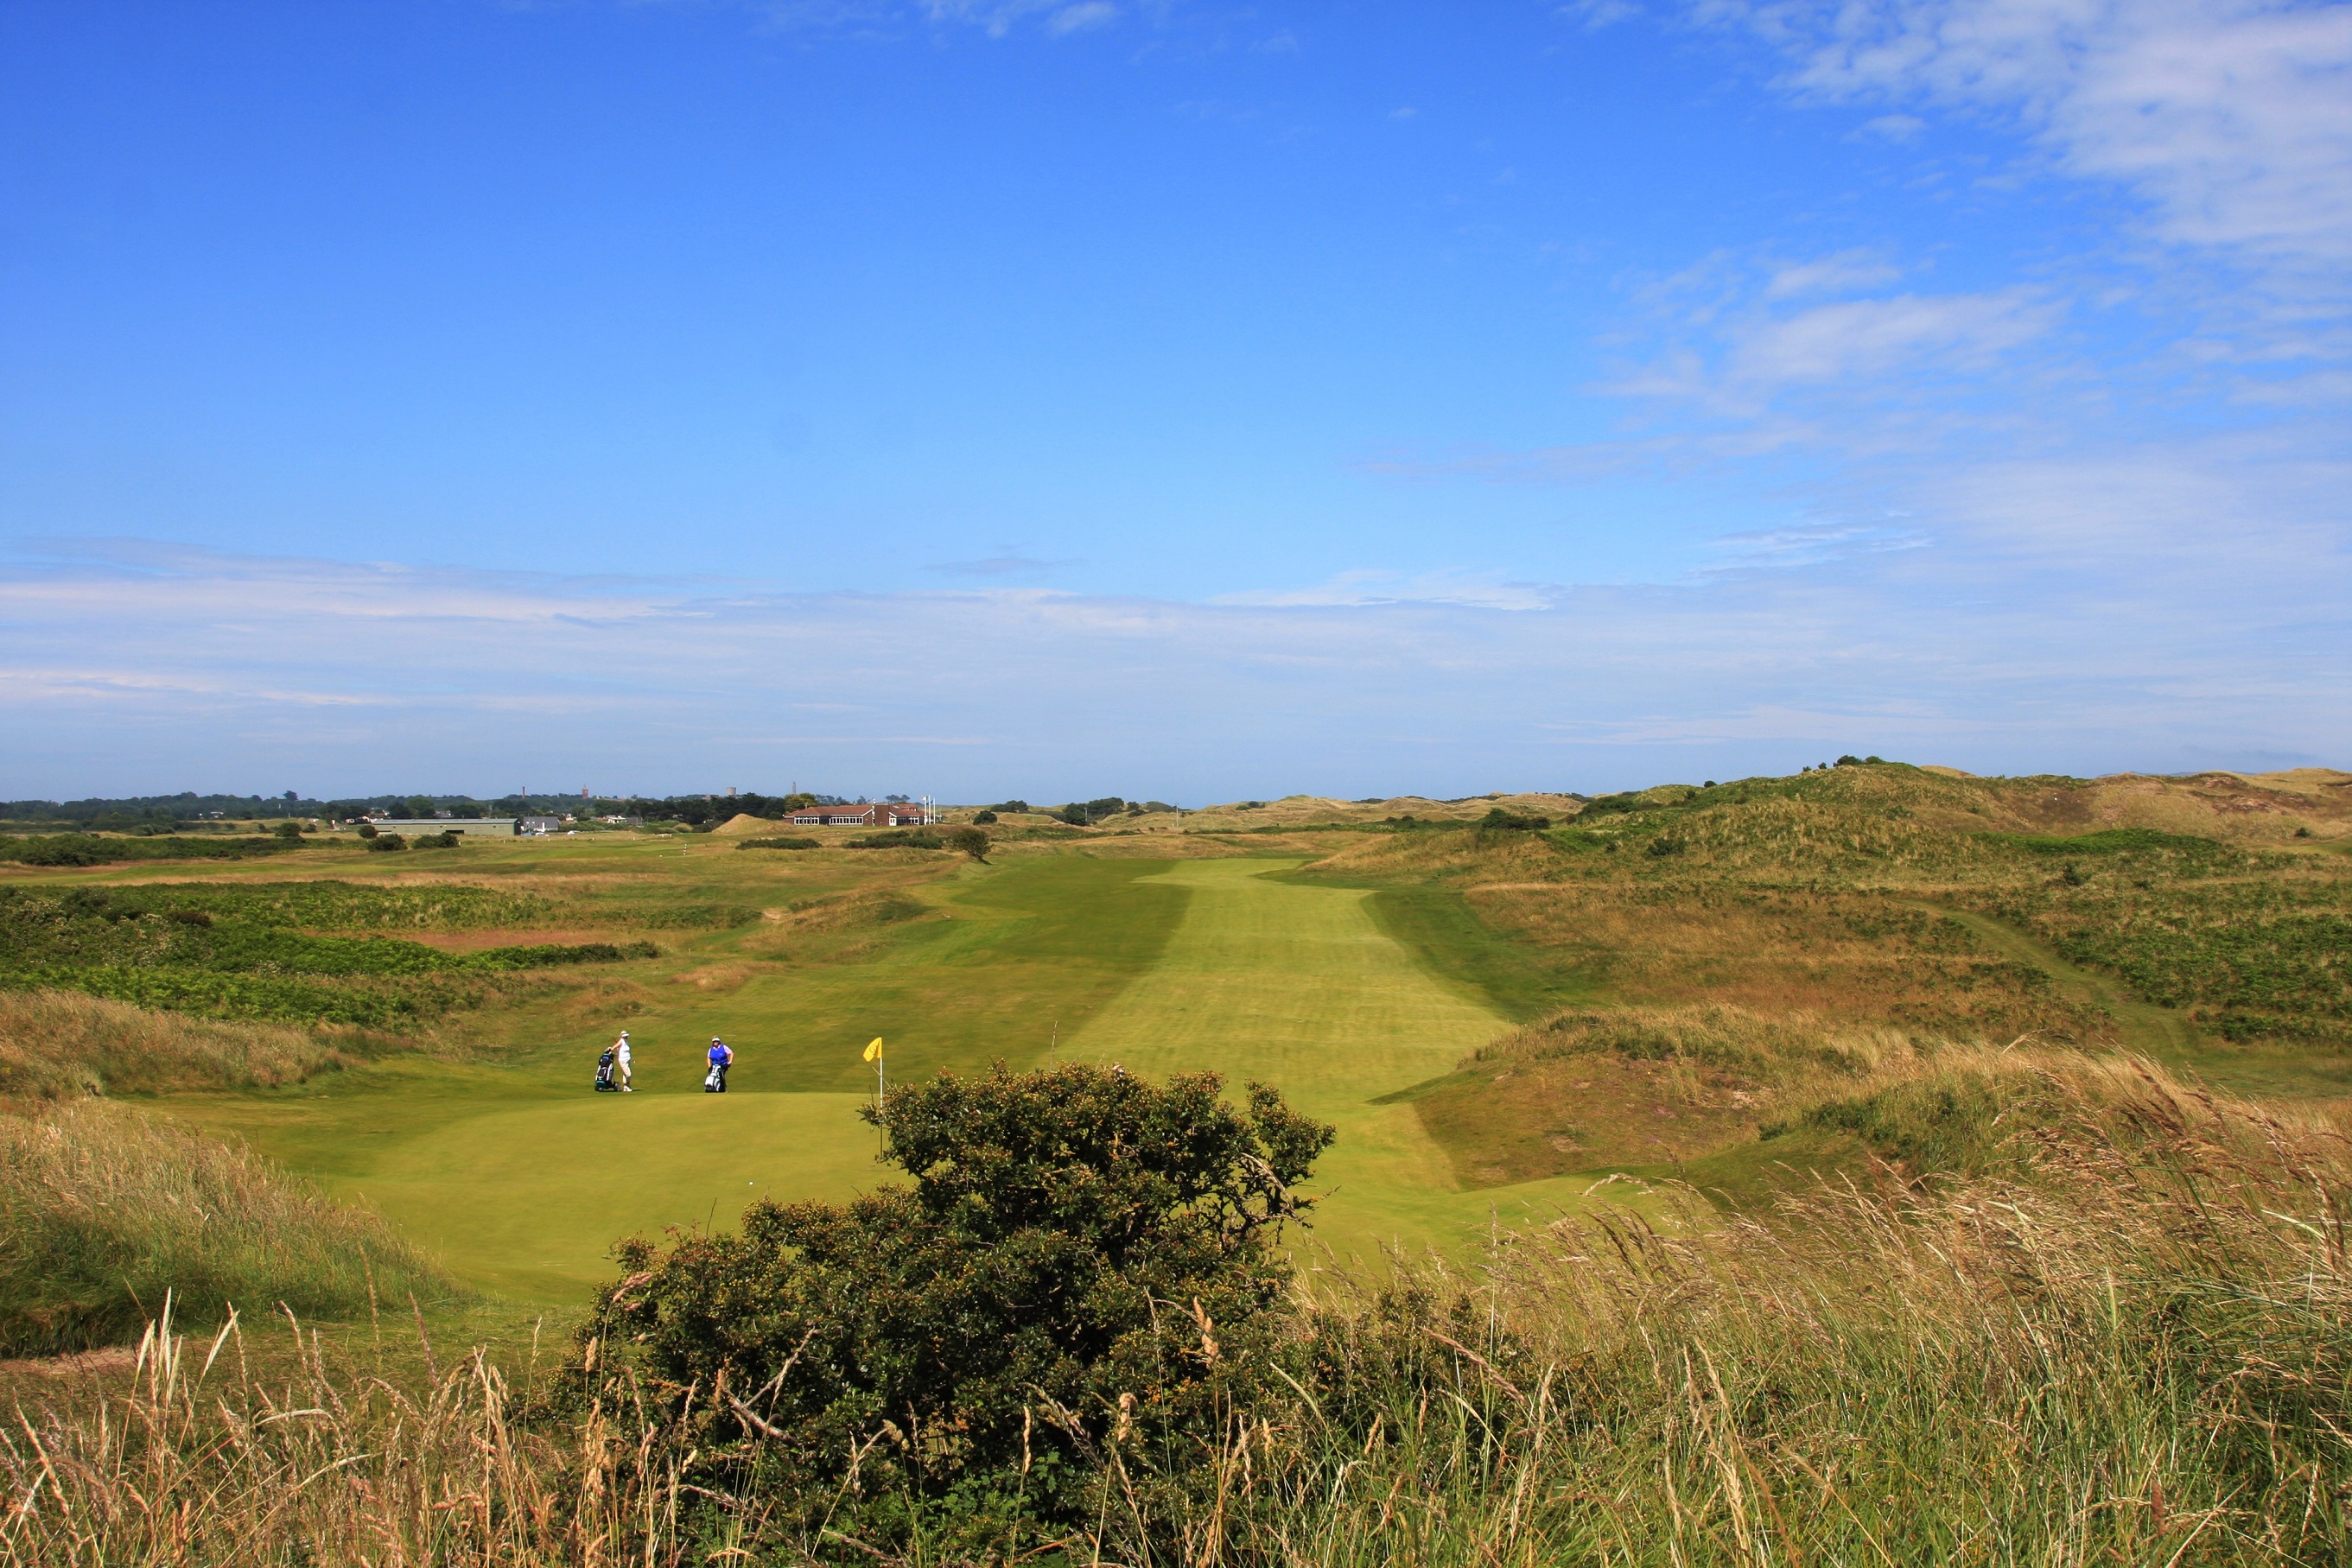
x: 1190, y: 401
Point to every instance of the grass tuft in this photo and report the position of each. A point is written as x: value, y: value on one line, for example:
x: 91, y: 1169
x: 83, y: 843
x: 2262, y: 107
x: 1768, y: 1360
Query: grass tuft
x: 104, y: 1209
x: 62, y: 1044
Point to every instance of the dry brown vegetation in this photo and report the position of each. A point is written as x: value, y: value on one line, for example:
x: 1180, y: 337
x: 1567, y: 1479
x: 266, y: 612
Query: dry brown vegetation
x: 1844, y: 957
x: 1589, y: 1089
x: 54, y: 1044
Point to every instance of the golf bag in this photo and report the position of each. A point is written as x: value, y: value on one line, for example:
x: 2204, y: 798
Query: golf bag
x: 715, y: 1080
x: 605, y: 1084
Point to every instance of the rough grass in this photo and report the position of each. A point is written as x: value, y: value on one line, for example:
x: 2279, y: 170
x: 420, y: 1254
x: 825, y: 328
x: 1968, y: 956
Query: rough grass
x: 2133, y: 1348
x: 2130, y: 1346
x: 223, y: 953
x: 1592, y: 1089
x: 2251, y: 957
x: 329, y: 904
x: 90, y: 849
x: 103, y: 1210
x: 61, y: 1044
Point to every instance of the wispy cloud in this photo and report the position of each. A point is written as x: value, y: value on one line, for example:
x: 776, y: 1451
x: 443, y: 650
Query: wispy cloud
x: 899, y: 18
x: 1488, y: 591
x: 270, y: 673
x: 1079, y: 17
x: 1843, y: 273
x: 1874, y: 338
x: 2232, y: 118
x: 1009, y: 562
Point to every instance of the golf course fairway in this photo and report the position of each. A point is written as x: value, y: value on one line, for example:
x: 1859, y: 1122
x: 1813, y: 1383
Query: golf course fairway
x: 1296, y: 986
x: 521, y: 1179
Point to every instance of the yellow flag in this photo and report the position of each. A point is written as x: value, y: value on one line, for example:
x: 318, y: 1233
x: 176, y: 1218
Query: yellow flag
x: 874, y: 1052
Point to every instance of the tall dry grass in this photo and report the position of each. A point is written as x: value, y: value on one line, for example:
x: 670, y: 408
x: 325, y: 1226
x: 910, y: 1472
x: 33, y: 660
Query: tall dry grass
x: 60, y: 1044
x: 2137, y: 1349
x: 104, y: 1210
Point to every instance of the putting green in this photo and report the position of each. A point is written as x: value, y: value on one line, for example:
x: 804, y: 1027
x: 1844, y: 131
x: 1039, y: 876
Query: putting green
x: 1298, y: 986
x: 549, y: 1188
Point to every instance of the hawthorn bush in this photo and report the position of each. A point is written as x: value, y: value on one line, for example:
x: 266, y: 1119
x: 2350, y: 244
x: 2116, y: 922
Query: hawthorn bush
x: 1082, y: 1281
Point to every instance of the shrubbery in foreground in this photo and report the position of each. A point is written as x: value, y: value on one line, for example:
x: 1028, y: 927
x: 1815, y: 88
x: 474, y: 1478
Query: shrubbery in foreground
x: 1084, y: 1273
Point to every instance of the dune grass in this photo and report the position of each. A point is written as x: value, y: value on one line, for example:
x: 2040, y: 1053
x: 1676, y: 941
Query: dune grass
x: 103, y: 1210
x: 2128, y: 1345
x: 2134, y: 1347
x: 1593, y: 1088
x: 60, y: 1044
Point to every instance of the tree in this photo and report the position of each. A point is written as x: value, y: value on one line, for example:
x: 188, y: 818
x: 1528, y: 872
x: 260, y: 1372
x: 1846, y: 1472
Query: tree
x: 1086, y: 1263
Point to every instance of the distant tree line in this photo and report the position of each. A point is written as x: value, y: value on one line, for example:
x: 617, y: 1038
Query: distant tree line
x: 1086, y: 814
x: 149, y: 814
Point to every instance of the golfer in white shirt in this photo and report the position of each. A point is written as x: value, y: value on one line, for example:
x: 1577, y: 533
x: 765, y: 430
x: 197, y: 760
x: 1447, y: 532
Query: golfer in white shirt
x: 620, y: 1054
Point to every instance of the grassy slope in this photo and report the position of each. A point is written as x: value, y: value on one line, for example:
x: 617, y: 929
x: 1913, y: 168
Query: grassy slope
x: 1833, y: 903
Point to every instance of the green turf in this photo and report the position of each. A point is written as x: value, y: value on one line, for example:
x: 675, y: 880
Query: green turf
x: 1438, y: 926
x: 521, y: 1178
x: 1299, y: 986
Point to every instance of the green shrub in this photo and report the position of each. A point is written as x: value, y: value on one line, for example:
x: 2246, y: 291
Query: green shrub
x: 982, y: 818
x: 971, y: 840
x: 385, y: 843
x: 1513, y: 821
x: 88, y: 849
x: 554, y: 955
x: 777, y: 844
x: 1086, y: 1268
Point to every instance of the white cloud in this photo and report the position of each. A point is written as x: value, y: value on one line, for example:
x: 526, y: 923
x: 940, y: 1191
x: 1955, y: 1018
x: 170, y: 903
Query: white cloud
x: 1079, y: 18
x: 1846, y: 271
x: 1872, y: 338
x: 1892, y: 127
x: 890, y: 19
x: 1598, y: 13
x: 1488, y: 591
x: 2231, y: 119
